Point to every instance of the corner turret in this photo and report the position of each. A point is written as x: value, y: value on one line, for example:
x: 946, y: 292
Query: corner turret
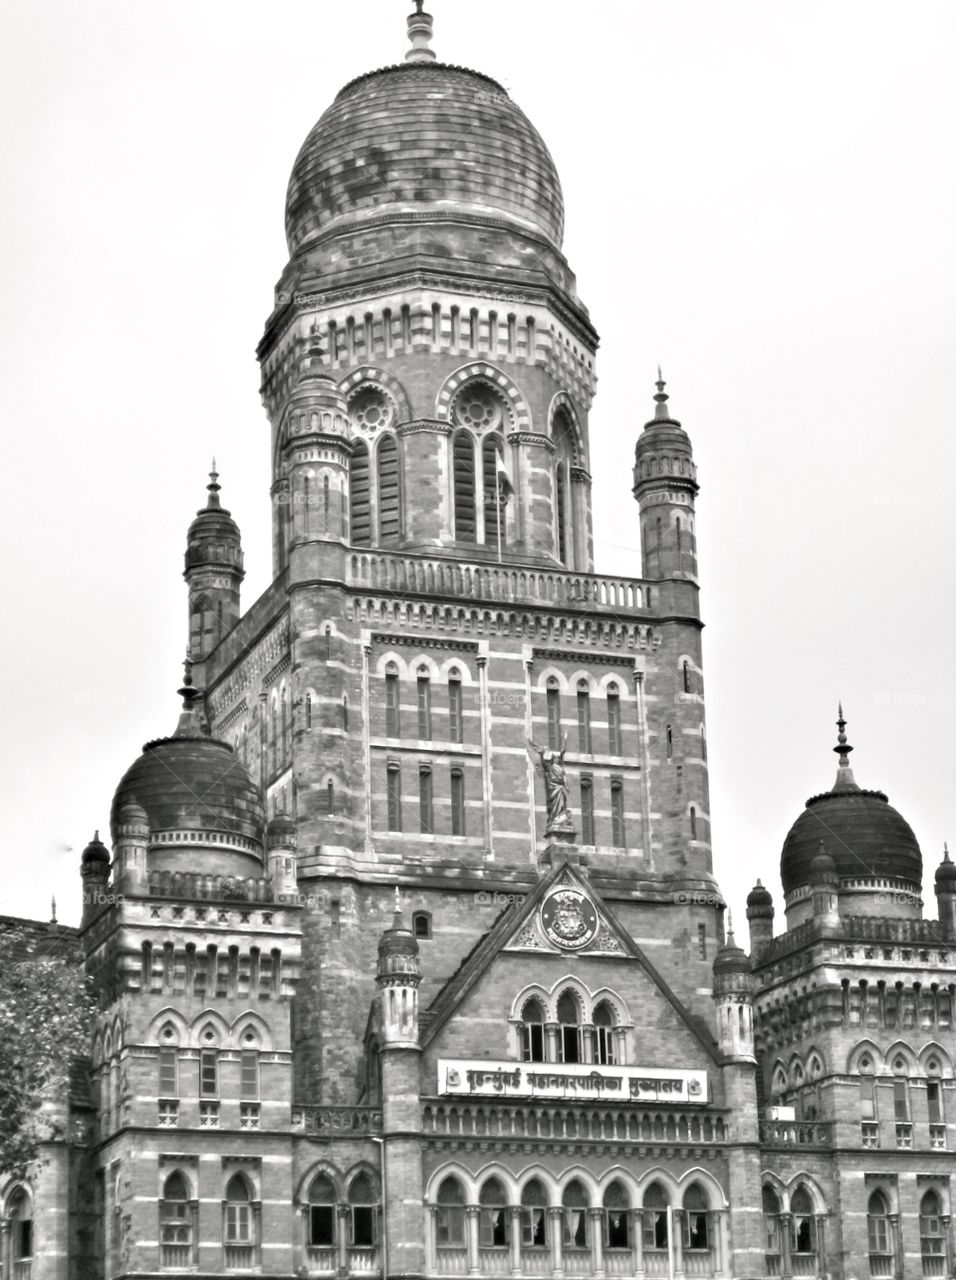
x: 665, y: 485
x: 213, y: 573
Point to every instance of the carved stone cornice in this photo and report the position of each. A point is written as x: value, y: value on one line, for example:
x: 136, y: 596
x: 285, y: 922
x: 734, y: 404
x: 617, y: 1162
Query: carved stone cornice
x: 422, y: 426
x: 533, y: 438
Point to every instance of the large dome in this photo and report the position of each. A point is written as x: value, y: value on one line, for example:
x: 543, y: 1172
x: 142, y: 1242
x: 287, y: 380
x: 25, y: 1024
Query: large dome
x: 423, y: 136
x: 860, y: 830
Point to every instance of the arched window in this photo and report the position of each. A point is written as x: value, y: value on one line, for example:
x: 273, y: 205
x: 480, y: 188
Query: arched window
x: 534, y: 1216
x: 532, y: 1031
x: 455, y: 718
x: 574, y: 1216
x: 655, y: 1217
x: 421, y: 924
x: 463, y: 451
x: 308, y: 710
x: 879, y: 1240
x: 345, y: 713
x: 686, y: 669
x: 569, y: 1028
x: 426, y: 800
x: 618, y: 831
x: 584, y: 718
x: 493, y: 1219
x: 617, y: 1233
x: 393, y: 796
x: 496, y: 490
x: 21, y: 1229
x: 450, y: 1215
x: 285, y: 725
x: 457, y: 801
x: 867, y: 1089
x: 239, y: 1226
x: 362, y: 1206
x: 614, y: 721
x: 389, y: 508
x: 393, y: 725
x: 693, y: 823
x: 565, y: 455
x: 168, y: 1072
x: 360, y: 506
x: 771, y: 1219
x: 696, y: 1205
x: 803, y: 1227
x: 553, y: 697
x: 901, y: 1092
x: 424, y: 705
x: 604, y: 1048
x: 934, y: 1099
x: 176, y: 1223
x: 322, y: 1214
x: 587, y: 809
x: 669, y: 740
x: 932, y: 1234
x: 561, y: 507
x: 274, y: 735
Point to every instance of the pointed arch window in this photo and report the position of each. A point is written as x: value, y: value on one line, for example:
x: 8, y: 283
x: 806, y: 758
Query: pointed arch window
x: 879, y: 1238
x: 532, y: 1031
x: 393, y: 795
x: 803, y: 1227
x: 614, y: 720
x: 604, y: 1046
x: 693, y: 823
x: 534, y: 1216
x: 565, y: 453
x: 362, y: 1206
x: 587, y: 809
x: 168, y: 1072
x: 424, y: 705
x: 308, y: 710
x: 617, y: 1226
x: 496, y: 488
x: 177, y: 1224
x: 771, y: 1219
x: 463, y: 452
x: 393, y: 727
x: 360, y: 504
x: 455, y: 718
x: 389, y: 498
x: 21, y: 1231
x: 584, y: 718
x: 618, y: 831
x: 322, y: 1233
x: 932, y: 1234
x: 493, y: 1219
x: 696, y: 1206
x: 450, y: 1215
x: 575, y: 1217
x: 553, y: 698
x: 569, y: 1028
x: 240, y: 1226
x: 655, y: 1218
x: 426, y: 801
x: 457, y: 801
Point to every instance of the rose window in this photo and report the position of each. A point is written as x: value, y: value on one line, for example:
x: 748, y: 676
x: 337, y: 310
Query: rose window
x: 371, y: 409
x: 477, y: 406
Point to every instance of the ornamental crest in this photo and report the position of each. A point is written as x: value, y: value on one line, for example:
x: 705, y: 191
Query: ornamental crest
x: 568, y: 919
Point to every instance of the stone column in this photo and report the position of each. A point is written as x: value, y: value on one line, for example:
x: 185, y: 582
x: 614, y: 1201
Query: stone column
x: 596, y: 1220
x: 821, y: 1228
x: 555, y: 1218
x: 896, y: 1245
x: 637, y: 1242
x: 514, y: 1238
x: 677, y: 1243
x: 472, y: 1225
x: 342, y: 1239
x: 786, y: 1266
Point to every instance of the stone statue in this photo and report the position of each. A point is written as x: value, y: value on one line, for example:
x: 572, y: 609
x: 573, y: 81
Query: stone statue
x: 551, y: 768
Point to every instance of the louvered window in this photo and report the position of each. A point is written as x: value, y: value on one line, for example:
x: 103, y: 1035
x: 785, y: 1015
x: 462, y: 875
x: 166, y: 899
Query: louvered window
x: 491, y: 460
x: 464, y: 464
x: 388, y: 495
x: 360, y: 511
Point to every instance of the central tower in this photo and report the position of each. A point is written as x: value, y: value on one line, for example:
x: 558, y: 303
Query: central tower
x: 428, y: 372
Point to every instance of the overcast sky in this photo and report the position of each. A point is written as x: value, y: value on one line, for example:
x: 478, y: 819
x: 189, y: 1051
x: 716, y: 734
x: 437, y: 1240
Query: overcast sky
x: 759, y: 195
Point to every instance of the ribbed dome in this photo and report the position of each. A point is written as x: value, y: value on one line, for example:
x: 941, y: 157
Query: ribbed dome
x: 863, y: 833
x: 193, y: 783
x: 419, y: 138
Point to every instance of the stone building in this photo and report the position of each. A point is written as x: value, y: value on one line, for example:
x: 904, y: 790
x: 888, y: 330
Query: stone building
x: 409, y: 952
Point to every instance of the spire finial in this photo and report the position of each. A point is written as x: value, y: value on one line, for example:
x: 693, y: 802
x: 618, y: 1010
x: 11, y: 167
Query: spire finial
x: 53, y: 919
x: 845, y: 780
x: 420, y: 35
x: 946, y: 857
x: 213, y: 487
x: 660, y: 410
x: 397, y: 921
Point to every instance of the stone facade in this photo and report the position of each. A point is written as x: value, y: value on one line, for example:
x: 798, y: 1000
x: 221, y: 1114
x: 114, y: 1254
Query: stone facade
x: 364, y: 1009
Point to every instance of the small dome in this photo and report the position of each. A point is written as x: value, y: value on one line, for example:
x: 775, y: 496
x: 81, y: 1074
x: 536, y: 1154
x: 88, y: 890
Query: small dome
x: 946, y: 871
x: 95, y: 851
x: 759, y: 900
x: 213, y: 537
x: 823, y: 869
x: 731, y: 958
x: 417, y: 138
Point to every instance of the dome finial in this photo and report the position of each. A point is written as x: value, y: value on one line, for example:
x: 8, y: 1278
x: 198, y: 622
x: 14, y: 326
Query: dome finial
x: 420, y: 35
x: 661, y: 397
x: 213, y: 487
x: 845, y: 780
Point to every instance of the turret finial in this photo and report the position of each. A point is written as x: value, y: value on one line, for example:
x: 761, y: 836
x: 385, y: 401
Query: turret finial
x: 660, y: 410
x: 53, y: 919
x: 213, y: 487
x: 730, y: 928
x: 420, y: 35
x: 946, y: 857
x: 845, y: 780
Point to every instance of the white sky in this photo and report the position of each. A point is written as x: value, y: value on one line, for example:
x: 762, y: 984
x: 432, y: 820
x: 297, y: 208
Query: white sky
x: 759, y: 195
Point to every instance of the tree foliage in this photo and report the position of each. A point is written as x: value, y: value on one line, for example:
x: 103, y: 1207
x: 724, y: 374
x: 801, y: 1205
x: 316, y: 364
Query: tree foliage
x: 46, y: 1014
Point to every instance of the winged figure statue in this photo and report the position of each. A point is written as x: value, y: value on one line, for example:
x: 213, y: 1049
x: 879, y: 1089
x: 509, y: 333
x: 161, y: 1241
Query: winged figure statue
x: 550, y: 766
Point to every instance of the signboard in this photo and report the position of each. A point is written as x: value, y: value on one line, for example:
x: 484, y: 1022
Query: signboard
x: 585, y: 1082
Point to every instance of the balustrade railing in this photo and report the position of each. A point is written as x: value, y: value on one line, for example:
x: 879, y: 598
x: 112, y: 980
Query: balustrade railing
x: 934, y: 1265
x: 240, y: 1257
x: 333, y: 1122
x: 882, y: 1264
x: 618, y: 1262
x: 803, y: 1264
x: 656, y: 1262
x: 773, y: 1263
x: 536, y: 1262
x: 22, y: 1270
x: 364, y: 1261
x: 321, y: 1258
x: 595, y: 1123
x: 494, y: 1262
x: 175, y: 1255
x: 451, y: 1262
x: 499, y: 583
x: 796, y: 1133
x: 698, y: 1262
x: 577, y: 1262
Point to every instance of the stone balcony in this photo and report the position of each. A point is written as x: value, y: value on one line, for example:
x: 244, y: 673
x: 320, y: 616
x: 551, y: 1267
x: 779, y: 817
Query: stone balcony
x: 521, y: 1120
x: 802, y: 1135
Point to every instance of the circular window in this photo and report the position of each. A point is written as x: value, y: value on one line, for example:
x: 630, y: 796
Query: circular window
x: 477, y: 406
x: 370, y: 409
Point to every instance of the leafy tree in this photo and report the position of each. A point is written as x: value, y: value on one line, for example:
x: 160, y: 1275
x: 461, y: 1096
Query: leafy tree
x: 46, y: 1012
